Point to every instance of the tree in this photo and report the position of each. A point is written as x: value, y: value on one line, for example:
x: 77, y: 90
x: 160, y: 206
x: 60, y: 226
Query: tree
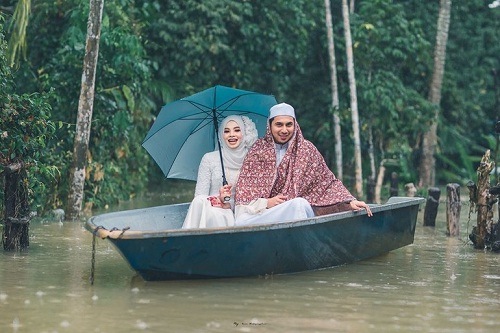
x: 334, y: 89
x: 152, y: 52
x: 427, y: 170
x: 25, y: 128
x: 85, y: 107
x: 393, y: 112
x: 18, y: 26
x: 354, y: 101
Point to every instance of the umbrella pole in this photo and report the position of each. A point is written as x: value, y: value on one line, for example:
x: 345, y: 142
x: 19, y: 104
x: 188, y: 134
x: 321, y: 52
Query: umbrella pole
x: 216, y: 126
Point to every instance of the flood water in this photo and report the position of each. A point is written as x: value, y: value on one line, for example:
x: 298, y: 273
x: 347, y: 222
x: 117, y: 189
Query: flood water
x: 438, y: 284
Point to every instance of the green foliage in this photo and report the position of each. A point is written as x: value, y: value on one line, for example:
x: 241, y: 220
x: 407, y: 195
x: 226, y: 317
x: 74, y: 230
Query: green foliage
x: 244, y: 44
x: 470, y: 102
x: 25, y: 130
x: 117, y: 164
x: 391, y: 55
x: 152, y: 52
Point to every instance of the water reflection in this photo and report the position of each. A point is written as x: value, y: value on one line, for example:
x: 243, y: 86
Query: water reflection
x: 438, y: 284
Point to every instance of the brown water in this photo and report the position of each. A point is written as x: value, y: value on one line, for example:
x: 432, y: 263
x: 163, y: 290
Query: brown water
x: 438, y: 284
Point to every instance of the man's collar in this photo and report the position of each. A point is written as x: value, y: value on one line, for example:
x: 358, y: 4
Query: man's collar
x: 280, y: 146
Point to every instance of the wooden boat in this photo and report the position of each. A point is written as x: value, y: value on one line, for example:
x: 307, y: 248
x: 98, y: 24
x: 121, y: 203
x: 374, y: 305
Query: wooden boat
x: 153, y: 243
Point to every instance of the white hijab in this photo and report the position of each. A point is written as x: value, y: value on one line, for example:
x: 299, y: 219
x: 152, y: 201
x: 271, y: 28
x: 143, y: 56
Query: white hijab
x: 233, y: 157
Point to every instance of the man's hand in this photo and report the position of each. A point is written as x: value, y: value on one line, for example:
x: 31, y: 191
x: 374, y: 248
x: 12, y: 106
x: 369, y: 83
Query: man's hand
x: 275, y: 201
x: 358, y: 205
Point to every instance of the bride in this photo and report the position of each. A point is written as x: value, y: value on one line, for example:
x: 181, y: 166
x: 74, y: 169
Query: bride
x: 209, y: 209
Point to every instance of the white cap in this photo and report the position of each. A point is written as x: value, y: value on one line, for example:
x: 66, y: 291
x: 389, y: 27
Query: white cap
x: 281, y: 109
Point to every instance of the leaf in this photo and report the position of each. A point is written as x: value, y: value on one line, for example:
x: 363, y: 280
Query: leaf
x: 129, y: 97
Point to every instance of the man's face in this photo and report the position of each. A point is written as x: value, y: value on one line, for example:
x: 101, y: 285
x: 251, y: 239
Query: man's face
x: 282, y: 129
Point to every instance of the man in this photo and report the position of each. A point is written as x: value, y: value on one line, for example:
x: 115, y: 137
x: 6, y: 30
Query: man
x: 285, y: 177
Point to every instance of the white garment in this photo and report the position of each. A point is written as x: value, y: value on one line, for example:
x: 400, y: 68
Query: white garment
x: 209, y: 179
x: 201, y: 214
x: 256, y: 213
x: 280, y: 151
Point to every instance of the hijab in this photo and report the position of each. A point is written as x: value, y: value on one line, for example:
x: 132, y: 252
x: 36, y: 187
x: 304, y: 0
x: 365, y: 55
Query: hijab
x: 233, y: 157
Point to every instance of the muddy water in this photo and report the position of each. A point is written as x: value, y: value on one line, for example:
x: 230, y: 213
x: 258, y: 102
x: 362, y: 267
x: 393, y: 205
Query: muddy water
x: 437, y: 284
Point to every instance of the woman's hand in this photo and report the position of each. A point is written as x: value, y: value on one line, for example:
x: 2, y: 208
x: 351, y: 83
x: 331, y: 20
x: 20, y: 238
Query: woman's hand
x: 225, y: 192
x: 275, y: 201
x: 215, y: 201
x: 358, y: 205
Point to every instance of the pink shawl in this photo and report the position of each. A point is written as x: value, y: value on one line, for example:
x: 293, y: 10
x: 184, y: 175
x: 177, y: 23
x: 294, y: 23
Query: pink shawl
x: 302, y: 173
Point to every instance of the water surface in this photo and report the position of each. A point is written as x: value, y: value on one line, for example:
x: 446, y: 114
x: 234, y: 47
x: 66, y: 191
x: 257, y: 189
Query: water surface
x: 438, y: 284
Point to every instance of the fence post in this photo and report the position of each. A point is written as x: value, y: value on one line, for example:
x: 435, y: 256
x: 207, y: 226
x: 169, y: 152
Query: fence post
x: 394, y: 184
x: 410, y: 189
x: 453, y: 207
x: 431, y: 207
x: 370, y: 191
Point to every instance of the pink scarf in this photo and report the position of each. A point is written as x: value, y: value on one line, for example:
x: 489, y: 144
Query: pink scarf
x: 302, y: 173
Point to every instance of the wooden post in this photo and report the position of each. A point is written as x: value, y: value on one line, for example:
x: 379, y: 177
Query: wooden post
x: 453, y: 208
x: 370, y: 191
x: 16, y: 225
x: 410, y: 190
x: 483, y: 205
x: 431, y: 207
x: 394, y: 184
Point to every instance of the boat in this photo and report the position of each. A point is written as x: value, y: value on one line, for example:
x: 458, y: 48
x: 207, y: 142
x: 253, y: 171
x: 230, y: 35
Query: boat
x: 154, y: 245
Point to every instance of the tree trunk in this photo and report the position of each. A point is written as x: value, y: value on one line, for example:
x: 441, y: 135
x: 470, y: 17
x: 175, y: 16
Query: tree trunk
x: 453, y: 208
x: 15, y: 235
x: 483, y: 206
x: 380, y: 181
x: 429, y: 141
x: 371, y: 153
x: 354, y: 101
x: 85, y: 106
x: 335, y: 91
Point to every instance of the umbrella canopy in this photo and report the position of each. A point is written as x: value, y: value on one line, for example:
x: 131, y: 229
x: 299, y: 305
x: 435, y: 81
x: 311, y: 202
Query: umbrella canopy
x: 186, y: 129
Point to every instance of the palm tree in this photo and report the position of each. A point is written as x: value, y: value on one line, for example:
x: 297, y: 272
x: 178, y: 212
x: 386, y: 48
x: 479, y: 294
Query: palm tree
x: 17, y: 29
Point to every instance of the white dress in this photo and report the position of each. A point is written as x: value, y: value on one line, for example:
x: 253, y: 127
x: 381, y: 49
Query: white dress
x: 201, y: 214
x: 257, y: 213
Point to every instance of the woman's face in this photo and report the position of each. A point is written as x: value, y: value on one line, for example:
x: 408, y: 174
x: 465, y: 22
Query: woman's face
x: 232, y: 134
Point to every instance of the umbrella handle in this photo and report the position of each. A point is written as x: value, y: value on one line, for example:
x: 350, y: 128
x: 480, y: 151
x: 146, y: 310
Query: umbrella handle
x: 224, y: 182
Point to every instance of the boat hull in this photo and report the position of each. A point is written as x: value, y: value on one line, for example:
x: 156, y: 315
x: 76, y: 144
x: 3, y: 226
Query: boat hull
x: 287, y: 247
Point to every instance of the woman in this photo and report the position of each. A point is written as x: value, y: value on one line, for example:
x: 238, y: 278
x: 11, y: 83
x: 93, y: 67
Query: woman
x: 209, y: 209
